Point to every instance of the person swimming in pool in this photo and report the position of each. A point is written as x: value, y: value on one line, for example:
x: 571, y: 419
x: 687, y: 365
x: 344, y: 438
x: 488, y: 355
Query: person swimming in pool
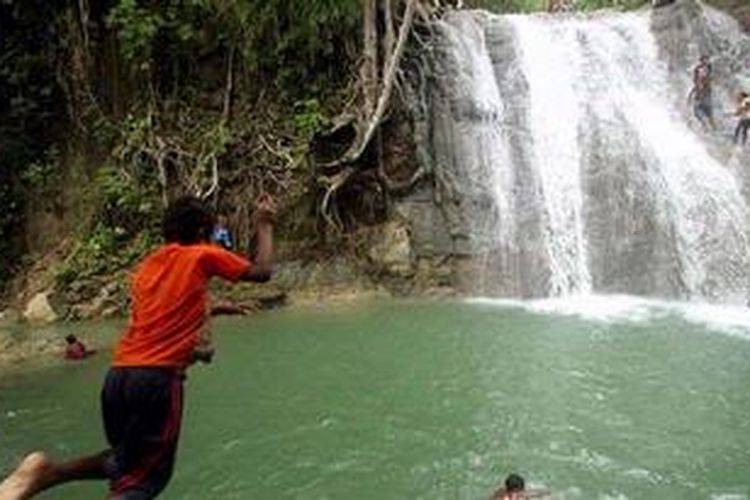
x: 515, y: 489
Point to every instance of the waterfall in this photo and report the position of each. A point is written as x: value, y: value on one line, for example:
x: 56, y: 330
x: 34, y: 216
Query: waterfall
x: 575, y: 163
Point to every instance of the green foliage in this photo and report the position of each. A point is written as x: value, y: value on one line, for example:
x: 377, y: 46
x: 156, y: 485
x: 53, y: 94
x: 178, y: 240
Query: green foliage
x: 103, y: 241
x: 215, y: 140
x: 38, y: 174
x: 104, y: 250
x: 121, y: 204
x: 310, y: 39
x: 104, y: 132
x: 136, y: 132
x: 32, y: 110
x: 309, y: 117
x: 125, y: 225
x: 294, y: 43
x: 42, y: 177
x: 137, y: 28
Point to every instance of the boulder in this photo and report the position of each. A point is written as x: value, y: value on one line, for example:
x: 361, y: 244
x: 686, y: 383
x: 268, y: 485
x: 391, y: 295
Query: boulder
x: 39, y: 310
x: 110, y: 312
x: 80, y: 312
x: 391, y: 250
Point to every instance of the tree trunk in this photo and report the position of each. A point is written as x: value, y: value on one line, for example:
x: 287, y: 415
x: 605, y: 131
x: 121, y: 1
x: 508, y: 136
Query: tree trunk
x: 226, y: 113
x: 389, y: 79
x: 370, y: 55
x: 389, y: 37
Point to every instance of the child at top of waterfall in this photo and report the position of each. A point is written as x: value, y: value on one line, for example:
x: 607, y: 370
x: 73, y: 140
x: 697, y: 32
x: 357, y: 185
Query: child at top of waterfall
x: 743, y: 113
x: 700, y: 94
x: 142, y: 395
x: 515, y: 489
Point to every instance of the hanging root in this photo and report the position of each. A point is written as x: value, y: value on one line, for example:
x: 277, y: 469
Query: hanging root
x: 333, y: 183
x: 389, y: 80
x: 342, y: 170
x: 178, y: 170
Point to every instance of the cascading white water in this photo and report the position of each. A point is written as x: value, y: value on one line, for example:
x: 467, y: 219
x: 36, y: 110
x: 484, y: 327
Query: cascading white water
x: 572, y: 126
x: 551, y: 61
x: 701, y: 195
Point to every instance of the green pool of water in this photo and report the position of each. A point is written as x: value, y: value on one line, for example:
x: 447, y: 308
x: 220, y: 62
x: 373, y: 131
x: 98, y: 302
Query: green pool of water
x: 402, y: 400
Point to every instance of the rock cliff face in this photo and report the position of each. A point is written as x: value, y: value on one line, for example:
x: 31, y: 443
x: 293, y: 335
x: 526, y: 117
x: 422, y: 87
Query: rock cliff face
x: 566, y: 159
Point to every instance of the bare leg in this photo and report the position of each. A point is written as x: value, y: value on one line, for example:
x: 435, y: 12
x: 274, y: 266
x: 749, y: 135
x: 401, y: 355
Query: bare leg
x: 38, y: 472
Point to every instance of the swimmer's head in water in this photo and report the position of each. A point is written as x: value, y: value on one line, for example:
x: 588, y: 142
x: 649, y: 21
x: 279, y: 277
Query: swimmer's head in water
x: 513, y: 483
x: 188, y: 220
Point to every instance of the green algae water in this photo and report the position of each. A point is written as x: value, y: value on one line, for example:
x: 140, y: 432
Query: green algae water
x: 402, y: 400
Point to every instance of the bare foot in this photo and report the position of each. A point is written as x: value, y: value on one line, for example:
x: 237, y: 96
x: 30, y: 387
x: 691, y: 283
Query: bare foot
x: 28, y: 479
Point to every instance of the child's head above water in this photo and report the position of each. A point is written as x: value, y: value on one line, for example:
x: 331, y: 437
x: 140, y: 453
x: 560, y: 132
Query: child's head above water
x: 187, y: 220
x: 514, y: 483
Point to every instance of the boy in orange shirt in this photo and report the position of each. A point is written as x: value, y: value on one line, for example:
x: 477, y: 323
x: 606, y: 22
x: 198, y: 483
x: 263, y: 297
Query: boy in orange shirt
x: 142, y: 394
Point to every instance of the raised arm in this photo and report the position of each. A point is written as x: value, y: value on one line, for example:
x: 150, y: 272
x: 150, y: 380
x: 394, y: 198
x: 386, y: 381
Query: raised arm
x: 265, y: 210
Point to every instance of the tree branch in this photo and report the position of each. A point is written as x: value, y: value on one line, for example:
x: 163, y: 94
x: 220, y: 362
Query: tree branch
x: 226, y: 112
x: 389, y: 79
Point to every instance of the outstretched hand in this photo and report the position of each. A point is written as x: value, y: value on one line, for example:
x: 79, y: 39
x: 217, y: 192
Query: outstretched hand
x: 265, y: 208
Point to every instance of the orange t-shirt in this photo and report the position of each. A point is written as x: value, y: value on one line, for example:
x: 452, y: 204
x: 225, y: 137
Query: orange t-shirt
x: 169, y: 300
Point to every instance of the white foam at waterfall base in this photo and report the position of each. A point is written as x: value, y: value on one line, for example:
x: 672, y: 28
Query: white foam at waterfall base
x: 728, y: 496
x: 731, y: 320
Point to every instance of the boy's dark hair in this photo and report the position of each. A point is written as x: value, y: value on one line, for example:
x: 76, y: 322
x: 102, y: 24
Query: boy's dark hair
x: 187, y: 220
x: 70, y: 339
x: 514, y: 482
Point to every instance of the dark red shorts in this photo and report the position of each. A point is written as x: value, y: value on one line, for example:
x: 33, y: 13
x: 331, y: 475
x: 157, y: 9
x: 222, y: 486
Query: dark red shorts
x: 142, y: 410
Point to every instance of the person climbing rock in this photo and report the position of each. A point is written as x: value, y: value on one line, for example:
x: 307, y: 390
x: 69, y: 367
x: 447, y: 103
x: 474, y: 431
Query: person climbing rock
x: 743, y: 114
x: 701, y: 94
x: 143, y: 390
